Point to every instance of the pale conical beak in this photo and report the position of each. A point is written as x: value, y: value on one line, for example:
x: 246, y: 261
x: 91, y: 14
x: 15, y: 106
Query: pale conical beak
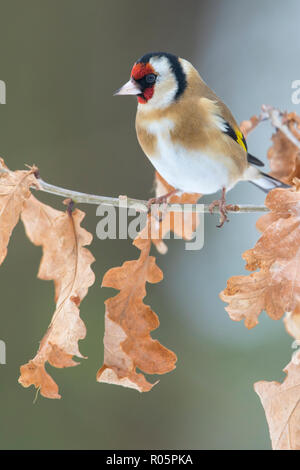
x: 130, y: 88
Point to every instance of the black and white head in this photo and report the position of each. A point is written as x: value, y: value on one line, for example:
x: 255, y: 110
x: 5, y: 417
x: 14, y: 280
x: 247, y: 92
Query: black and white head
x: 158, y: 79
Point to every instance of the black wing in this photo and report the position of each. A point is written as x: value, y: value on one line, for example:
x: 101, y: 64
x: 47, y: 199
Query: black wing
x: 237, y: 136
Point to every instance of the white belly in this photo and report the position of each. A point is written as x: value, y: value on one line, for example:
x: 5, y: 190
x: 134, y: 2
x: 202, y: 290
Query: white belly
x: 188, y: 171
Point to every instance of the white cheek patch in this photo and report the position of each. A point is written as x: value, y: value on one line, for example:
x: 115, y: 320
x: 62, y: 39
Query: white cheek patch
x: 166, y: 85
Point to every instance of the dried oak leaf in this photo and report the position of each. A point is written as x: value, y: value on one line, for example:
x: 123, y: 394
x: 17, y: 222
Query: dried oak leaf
x: 68, y: 264
x: 284, y: 155
x: 276, y: 286
x: 249, y: 125
x: 128, y: 344
x: 281, y: 402
x: 183, y: 224
x: 14, y: 190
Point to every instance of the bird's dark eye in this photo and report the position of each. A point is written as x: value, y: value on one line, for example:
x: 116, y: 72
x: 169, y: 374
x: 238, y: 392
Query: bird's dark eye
x: 151, y: 78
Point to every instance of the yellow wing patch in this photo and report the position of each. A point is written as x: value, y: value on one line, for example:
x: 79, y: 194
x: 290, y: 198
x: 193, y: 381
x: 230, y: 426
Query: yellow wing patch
x: 240, y: 138
x: 234, y: 132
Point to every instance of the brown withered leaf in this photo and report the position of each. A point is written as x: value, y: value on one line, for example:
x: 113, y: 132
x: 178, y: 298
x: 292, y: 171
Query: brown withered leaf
x: 182, y: 224
x: 281, y: 403
x: 249, y: 125
x: 276, y: 286
x: 292, y: 322
x: 128, y: 344
x: 68, y: 264
x: 284, y: 156
x: 14, y: 190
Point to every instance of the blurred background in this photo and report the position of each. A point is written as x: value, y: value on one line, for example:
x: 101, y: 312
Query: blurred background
x: 61, y: 61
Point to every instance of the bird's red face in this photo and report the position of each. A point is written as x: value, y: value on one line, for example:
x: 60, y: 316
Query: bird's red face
x: 141, y: 73
x: 141, y: 83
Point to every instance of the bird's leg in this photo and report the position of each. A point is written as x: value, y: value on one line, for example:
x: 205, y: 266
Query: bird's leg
x: 160, y: 200
x: 221, y: 204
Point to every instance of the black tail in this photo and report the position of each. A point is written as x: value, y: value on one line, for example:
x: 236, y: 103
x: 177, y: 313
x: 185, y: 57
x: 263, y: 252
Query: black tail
x: 254, y: 161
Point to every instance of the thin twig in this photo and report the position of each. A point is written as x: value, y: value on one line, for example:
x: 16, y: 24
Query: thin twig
x: 137, y: 204
x: 268, y: 112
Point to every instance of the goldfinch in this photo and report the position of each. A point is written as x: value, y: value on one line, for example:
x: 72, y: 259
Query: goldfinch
x: 187, y: 132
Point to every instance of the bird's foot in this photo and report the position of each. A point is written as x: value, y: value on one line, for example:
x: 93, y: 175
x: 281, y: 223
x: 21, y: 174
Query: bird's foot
x: 159, y: 201
x: 223, y: 208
